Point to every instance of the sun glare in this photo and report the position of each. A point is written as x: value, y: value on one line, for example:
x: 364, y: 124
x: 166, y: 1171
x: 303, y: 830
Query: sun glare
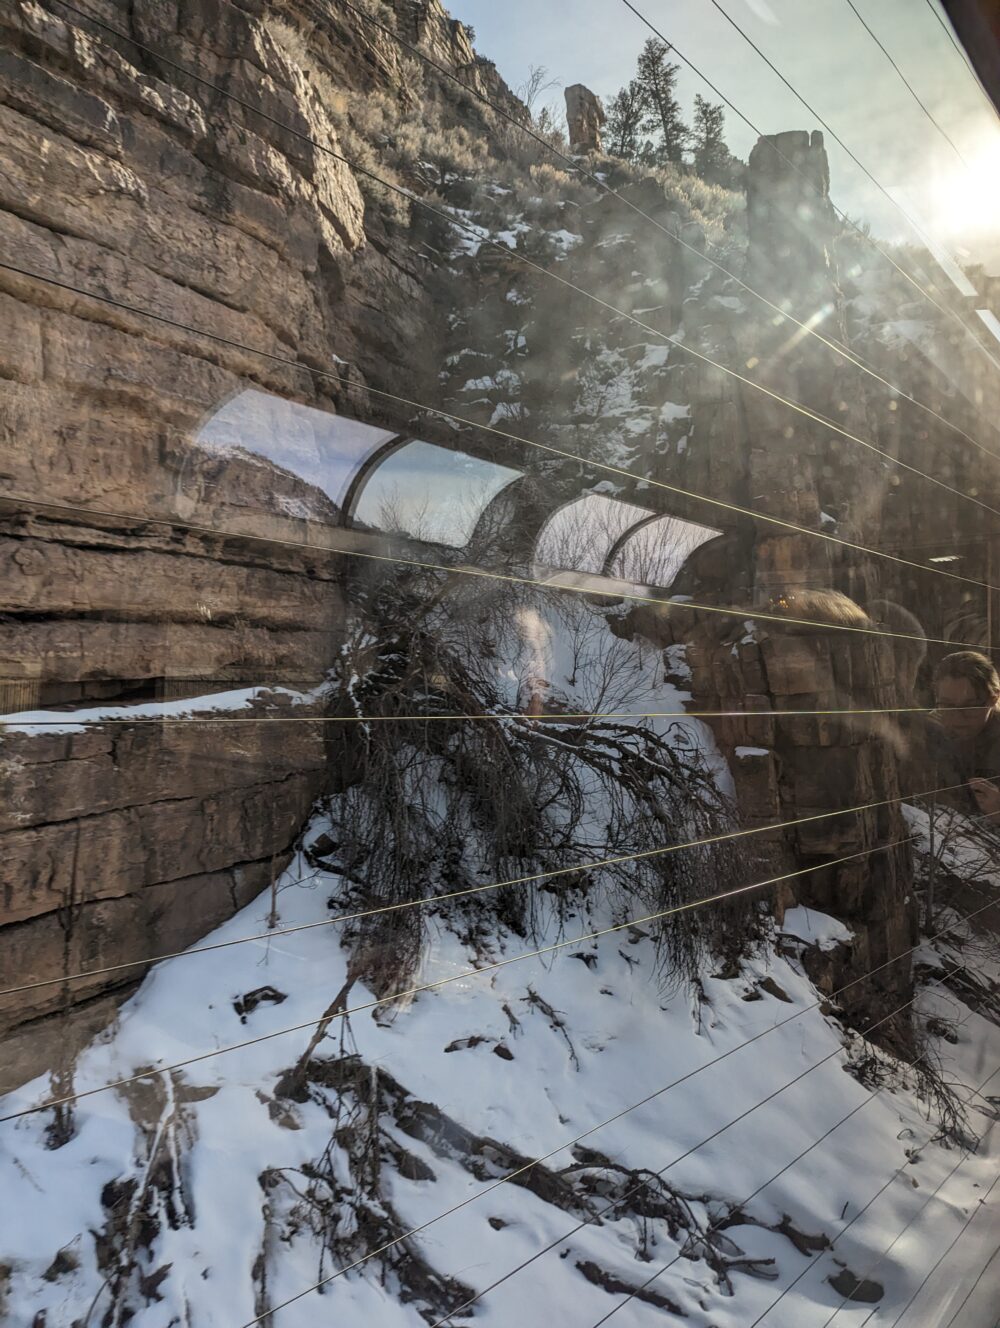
x: 968, y: 199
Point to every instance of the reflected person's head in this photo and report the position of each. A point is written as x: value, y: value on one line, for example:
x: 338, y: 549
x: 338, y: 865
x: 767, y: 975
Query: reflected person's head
x: 966, y: 691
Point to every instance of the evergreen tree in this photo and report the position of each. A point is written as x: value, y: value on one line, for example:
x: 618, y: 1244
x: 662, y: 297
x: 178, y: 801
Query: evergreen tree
x: 656, y: 78
x: 712, y: 160
x: 626, y: 113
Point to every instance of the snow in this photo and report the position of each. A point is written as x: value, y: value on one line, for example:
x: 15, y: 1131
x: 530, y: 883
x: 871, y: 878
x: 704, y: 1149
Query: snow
x: 655, y: 357
x: 297, y: 507
x: 628, y: 1042
x: 752, y: 751
x: 806, y: 924
x: 565, y: 240
x: 506, y: 410
x: 503, y: 380
x: 75, y: 721
x: 670, y: 411
x: 646, y: 1070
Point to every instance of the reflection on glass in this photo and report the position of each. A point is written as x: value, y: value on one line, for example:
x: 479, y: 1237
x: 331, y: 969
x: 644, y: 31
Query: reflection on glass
x: 324, y: 450
x: 655, y: 553
x: 607, y: 537
x: 430, y: 493
x: 582, y: 535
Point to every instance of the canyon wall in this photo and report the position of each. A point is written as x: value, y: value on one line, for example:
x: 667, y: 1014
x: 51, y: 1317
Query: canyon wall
x: 141, y: 561
x: 172, y: 487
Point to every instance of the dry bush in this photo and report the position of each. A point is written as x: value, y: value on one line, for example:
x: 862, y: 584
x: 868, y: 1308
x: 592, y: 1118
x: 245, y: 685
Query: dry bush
x: 425, y: 807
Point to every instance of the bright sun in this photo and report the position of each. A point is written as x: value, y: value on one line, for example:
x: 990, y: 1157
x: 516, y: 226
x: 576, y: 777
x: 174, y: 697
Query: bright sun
x: 968, y: 200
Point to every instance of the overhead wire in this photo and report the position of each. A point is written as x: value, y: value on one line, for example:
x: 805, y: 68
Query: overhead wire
x: 848, y: 221
x: 26, y: 719
x: 811, y: 1267
x: 326, y: 1018
x: 674, y: 910
x: 943, y: 1255
x: 467, y: 892
x: 744, y: 613
x: 588, y: 1220
x: 833, y: 134
x: 691, y: 1074
x: 975, y: 1286
x: 451, y: 219
x: 963, y: 54
x: 715, y: 1226
x: 574, y: 164
x: 550, y: 583
x: 907, y: 84
x: 874, y: 1097
x: 896, y: 1239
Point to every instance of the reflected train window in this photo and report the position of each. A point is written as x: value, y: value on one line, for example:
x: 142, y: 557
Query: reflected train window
x: 430, y: 493
x: 323, y: 449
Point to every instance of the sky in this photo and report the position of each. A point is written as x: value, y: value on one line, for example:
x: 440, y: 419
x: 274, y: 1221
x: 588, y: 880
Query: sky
x: 824, y: 51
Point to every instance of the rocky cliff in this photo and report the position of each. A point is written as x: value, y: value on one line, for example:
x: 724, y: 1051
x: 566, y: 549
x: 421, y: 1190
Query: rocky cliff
x: 142, y: 562
x: 154, y: 551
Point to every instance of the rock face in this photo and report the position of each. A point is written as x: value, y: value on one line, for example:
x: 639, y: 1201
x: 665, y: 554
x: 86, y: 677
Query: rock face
x: 584, y: 116
x: 144, y: 556
x: 172, y: 505
x: 789, y: 217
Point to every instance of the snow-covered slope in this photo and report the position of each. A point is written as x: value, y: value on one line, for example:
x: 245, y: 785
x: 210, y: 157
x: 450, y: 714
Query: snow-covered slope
x: 715, y: 1122
x: 207, y: 1196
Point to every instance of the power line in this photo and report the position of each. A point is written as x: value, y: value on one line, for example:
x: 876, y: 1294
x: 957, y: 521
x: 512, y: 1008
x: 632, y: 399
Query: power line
x: 741, y: 613
x: 874, y: 1097
x: 503, y: 963
x: 962, y: 53
x: 629, y: 1193
x: 18, y: 719
x: 920, y: 1211
x: 906, y: 83
x: 735, y: 508
x: 469, y: 891
x: 327, y: 1017
x: 809, y: 1267
x: 574, y: 164
x: 458, y: 223
x: 636, y: 1189
x: 788, y: 1165
x: 832, y: 132
x: 943, y: 309
x: 982, y: 1273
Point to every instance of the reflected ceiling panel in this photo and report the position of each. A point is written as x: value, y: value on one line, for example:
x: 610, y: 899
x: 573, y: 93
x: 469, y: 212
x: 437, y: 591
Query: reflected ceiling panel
x: 657, y: 551
x: 322, y: 449
x: 430, y: 493
x: 582, y: 535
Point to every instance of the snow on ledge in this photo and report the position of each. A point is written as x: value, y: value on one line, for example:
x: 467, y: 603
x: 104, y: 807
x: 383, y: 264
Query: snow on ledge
x: 36, y: 722
x: 806, y: 924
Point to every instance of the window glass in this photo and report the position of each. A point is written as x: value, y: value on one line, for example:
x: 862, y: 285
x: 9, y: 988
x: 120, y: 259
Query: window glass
x: 430, y: 493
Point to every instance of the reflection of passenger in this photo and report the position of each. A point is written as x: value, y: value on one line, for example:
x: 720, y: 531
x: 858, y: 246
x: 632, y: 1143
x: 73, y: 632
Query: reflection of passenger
x: 909, y: 644
x: 967, y: 693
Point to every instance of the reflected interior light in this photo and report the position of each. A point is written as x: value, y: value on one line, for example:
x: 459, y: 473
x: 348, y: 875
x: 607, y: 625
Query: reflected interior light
x: 618, y: 542
x: 430, y: 493
x: 990, y: 321
x: 946, y: 558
